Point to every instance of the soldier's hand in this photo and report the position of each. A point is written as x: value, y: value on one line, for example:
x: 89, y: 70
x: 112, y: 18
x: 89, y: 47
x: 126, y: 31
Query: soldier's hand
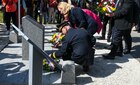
x: 52, y: 55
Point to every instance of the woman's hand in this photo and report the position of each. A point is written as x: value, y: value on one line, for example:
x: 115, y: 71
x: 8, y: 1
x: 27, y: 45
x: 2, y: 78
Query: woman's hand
x: 109, y: 14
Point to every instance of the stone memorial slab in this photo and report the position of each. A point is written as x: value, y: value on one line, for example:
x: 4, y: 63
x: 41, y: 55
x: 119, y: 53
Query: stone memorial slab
x: 35, y: 32
x: 68, y: 77
x: 13, y: 37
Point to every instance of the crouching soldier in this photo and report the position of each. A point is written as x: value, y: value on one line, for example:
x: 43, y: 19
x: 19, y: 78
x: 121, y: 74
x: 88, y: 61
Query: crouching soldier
x: 76, y: 46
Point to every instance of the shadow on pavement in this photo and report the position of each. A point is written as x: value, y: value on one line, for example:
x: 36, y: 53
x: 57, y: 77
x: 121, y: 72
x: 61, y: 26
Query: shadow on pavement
x: 6, y: 55
x: 84, y: 80
x: 3, y: 42
x: 13, y: 46
x: 11, y: 73
x: 100, y: 45
x: 136, y: 47
x: 136, y: 39
x: 103, y: 67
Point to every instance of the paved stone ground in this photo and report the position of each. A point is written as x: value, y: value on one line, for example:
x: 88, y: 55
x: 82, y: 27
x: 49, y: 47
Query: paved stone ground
x: 4, y: 39
x: 136, y: 45
x: 3, y: 42
x: 121, y: 71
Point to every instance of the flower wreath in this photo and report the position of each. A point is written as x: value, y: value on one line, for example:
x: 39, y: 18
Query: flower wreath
x: 105, y: 6
x: 57, y: 39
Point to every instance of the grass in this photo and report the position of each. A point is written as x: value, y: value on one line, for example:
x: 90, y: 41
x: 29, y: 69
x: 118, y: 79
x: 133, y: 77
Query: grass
x: 1, y: 17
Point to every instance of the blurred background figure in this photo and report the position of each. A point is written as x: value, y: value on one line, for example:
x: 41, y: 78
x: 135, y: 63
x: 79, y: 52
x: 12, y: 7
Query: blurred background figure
x: 106, y: 20
x: 23, y: 10
x: 36, y: 9
x: 29, y: 5
x: 52, y: 10
x: 137, y: 15
x: 44, y: 11
x: 10, y: 13
x: 123, y: 22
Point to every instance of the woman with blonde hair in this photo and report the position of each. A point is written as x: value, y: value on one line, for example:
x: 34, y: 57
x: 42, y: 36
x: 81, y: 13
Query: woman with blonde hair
x: 78, y: 18
x: 64, y: 8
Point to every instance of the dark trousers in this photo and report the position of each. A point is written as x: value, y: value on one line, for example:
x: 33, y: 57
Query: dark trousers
x: 82, y: 60
x: 117, y: 36
x: 43, y: 16
x: 111, y: 23
x: 138, y: 26
x: 36, y: 14
x: 8, y: 16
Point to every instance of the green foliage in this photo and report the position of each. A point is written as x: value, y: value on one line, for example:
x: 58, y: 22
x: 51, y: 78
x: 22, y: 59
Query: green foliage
x: 99, y: 9
x: 46, y: 66
x: 1, y: 17
x: 105, y: 6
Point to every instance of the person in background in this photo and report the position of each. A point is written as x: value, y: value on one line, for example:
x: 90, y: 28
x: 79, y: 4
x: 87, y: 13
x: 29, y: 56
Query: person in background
x: 138, y: 26
x: 123, y: 21
x: 81, y: 4
x: 29, y: 5
x: 107, y: 19
x: 137, y: 15
x: 52, y: 10
x: 36, y: 9
x: 10, y: 13
x: 23, y: 10
x: 44, y: 11
x: 0, y: 2
x: 74, y: 44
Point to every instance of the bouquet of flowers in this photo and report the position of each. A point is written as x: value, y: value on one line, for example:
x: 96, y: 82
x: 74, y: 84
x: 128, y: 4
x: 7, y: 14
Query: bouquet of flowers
x: 49, y: 66
x: 57, y: 39
x: 105, y: 6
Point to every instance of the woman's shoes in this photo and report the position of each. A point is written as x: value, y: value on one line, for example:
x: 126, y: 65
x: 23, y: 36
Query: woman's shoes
x: 126, y: 51
x: 85, y: 68
x: 109, y: 56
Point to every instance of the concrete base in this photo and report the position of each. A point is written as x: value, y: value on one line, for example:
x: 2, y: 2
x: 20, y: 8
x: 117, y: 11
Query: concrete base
x: 68, y: 77
x: 14, y: 37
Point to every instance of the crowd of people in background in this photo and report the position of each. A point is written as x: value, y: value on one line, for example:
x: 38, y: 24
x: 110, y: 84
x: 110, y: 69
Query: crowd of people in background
x: 56, y: 11
x: 45, y: 11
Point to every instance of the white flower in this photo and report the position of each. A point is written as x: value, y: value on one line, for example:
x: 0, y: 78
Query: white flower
x: 105, y: 3
x: 97, y: 3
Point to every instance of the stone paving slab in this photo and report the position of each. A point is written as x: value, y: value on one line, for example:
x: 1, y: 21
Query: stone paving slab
x: 136, y: 45
x: 104, y: 72
x: 4, y: 39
